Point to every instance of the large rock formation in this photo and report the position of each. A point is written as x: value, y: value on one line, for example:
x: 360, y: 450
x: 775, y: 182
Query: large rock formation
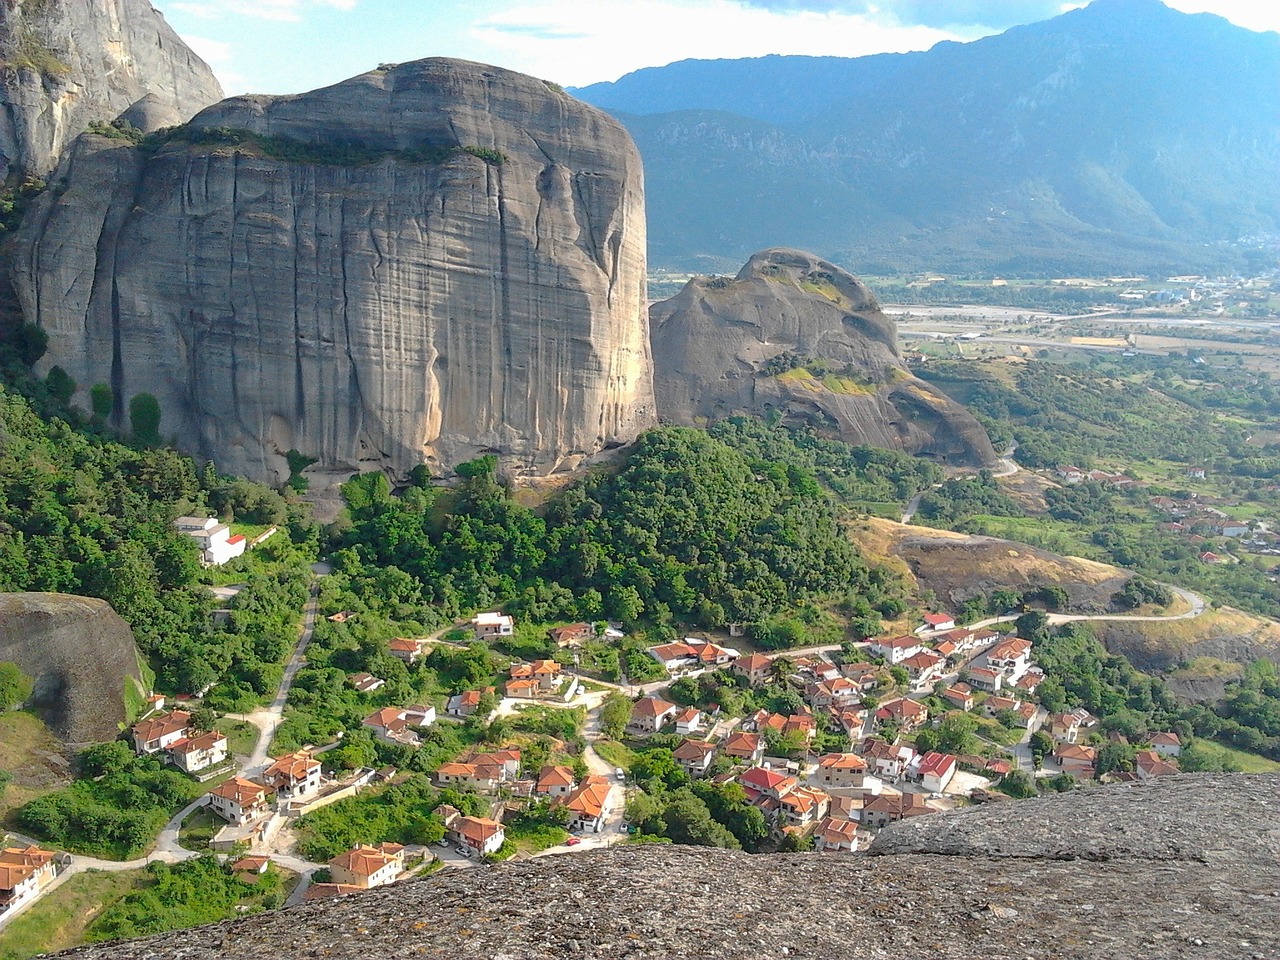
x: 1183, y: 867
x: 67, y: 63
x: 797, y: 336
x: 81, y: 656
x: 425, y: 263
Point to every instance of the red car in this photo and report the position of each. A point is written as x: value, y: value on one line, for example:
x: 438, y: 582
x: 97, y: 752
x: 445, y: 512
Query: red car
x: 573, y: 841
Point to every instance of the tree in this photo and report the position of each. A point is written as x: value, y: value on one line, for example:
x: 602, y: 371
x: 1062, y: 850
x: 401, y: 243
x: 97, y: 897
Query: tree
x: 101, y: 401
x: 927, y: 740
x: 60, y: 384
x: 1018, y: 784
x: 956, y: 734
x: 1041, y: 746
x: 15, y: 686
x: 615, y: 714
x: 144, y: 418
x: 1032, y: 625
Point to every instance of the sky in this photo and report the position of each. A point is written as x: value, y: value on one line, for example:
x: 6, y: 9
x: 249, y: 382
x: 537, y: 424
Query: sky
x: 289, y: 46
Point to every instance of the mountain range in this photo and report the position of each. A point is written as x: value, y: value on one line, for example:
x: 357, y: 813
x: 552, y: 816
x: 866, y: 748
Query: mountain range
x: 1123, y: 136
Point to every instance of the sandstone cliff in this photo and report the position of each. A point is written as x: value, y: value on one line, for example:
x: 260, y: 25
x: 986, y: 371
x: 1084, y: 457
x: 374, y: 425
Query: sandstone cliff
x: 66, y: 63
x: 425, y: 263
x: 1183, y: 867
x: 81, y: 656
x: 797, y: 336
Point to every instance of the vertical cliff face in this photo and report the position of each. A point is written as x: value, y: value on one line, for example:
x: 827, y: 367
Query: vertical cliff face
x: 795, y: 336
x: 67, y: 63
x: 424, y: 263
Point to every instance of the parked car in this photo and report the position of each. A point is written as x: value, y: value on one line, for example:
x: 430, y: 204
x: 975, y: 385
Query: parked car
x: 573, y: 841
x: 620, y: 775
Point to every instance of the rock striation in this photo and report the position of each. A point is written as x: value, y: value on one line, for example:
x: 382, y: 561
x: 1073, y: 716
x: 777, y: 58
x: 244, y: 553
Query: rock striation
x: 425, y: 263
x: 1178, y: 867
x: 81, y: 656
x: 796, y: 336
x: 67, y: 63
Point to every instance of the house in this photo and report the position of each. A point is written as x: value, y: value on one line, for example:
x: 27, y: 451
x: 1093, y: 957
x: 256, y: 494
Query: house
x: 865, y: 675
x: 690, y: 721
x: 1067, y: 727
x: 935, y: 622
x: 199, y: 753
x: 889, y: 808
x: 896, y: 649
x: 525, y: 688
x: 803, y: 725
x: 1024, y: 713
x: 1030, y: 681
x: 743, y: 746
x: 214, y: 540
x: 923, y: 668
x: 650, y: 714
x: 467, y: 702
x: 1075, y: 758
x: 488, y: 625
x: 396, y: 724
x: 479, y: 834
x: 985, y: 679
x: 1010, y: 657
x: 887, y: 759
x: 161, y: 732
x: 545, y: 675
x: 407, y: 649
x: 762, y: 782
x: 239, y: 801
x: 365, y: 867
x: 692, y: 653
x: 342, y: 616
x: 1070, y: 473
x: 365, y: 683
x: 907, y: 714
x: 756, y: 668
x: 586, y: 804
x: 485, y: 772
x: 1166, y: 744
x: 839, y: 692
x: 836, y: 836
x: 694, y: 756
x: 1210, y: 557
x: 295, y: 775
x: 1148, y: 764
x: 802, y: 806
x: 24, y: 873
x: 1232, y: 528
x: 935, y: 771
x: 555, y: 781
x: 959, y: 695
x: 250, y: 868
x: 572, y: 634
x: 841, y: 770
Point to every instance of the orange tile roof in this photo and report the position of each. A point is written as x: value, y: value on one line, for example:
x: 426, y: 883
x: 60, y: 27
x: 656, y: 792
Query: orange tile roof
x: 741, y: 744
x: 364, y: 861
x: 842, y: 761
x: 555, y: 776
x: 692, y: 750
x: 157, y: 727
x: 294, y: 767
x: 651, y: 707
x: 241, y: 791
x: 206, y: 741
x: 589, y: 799
x: 478, y: 829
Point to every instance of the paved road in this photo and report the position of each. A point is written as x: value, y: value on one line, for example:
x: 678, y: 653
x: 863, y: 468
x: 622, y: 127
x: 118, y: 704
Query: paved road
x: 1198, y: 607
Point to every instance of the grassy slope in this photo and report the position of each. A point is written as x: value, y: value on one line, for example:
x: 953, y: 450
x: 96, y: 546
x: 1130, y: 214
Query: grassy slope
x: 59, y: 920
x: 30, y: 753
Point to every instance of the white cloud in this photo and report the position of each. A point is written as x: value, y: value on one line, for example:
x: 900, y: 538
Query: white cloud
x: 1251, y: 14
x: 553, y: 40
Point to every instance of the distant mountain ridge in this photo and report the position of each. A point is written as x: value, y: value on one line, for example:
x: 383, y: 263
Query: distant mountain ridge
x: 1124, y: 135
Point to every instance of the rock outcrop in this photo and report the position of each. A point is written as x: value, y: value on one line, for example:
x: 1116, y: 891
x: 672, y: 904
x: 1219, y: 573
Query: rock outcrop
x: 1182, y: 867
x: 81, y: 656
x: 67, y: 63
x: 796, y: 336
x: 426, y: 263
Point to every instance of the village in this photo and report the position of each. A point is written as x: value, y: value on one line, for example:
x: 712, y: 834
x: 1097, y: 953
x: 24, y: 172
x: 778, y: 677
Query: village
x: 867, y: 735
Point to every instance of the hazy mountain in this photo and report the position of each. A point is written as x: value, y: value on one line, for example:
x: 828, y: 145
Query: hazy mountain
x: 1124, y: 135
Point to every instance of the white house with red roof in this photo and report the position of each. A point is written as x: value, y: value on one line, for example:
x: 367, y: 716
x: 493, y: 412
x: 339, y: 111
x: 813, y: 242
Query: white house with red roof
x: 984, y: 678
x: 239, y: 801
x: 743, y: 746
x: 764, y: 782
x: 1010, y: 657
x: 689, y: 721
x: 694, y: 756
x: 24, y: 873
x: 587, y: 804
x: 755, y: 667
x: 216, y: 542
x: 650, y: 714
x: 1166, y: 744
x: 841, y: 770
x: 161, y: 731
x: 936, y: 622
x: 934, y: 770
x: 887, y: 759
x: 400, y: 724
x: 924, y: 668
x: 836, y: 835
x: 408, y: 649
x: 479, y: 834
x: 896, y: 649
x: 199, y: 752
x: 294, y: 775
x: 366, y: 867
x: 906, y: 713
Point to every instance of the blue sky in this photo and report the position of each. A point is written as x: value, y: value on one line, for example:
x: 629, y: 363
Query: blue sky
x: 287, y: 46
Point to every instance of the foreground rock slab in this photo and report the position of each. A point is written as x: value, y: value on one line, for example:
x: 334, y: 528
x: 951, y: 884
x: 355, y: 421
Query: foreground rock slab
x: 1184, y: 867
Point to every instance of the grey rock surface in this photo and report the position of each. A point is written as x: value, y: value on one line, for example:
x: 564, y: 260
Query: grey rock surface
x: 66, y: 63
x: 717, y: 346
x: 81, y: 656
x: 374, y: 315
x: 1182, y: 868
